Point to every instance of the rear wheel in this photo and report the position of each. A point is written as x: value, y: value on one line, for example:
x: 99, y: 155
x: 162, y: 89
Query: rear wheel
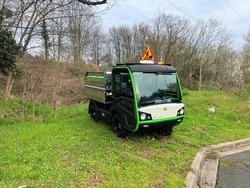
x: 118, y: 127
x: 93, y: 111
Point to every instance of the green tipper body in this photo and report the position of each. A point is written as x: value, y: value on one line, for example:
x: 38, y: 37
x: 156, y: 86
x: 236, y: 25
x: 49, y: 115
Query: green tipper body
x: 98, y: 86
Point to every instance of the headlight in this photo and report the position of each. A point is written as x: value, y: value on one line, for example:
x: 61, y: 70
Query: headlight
x: 143, y: 116
x: 180, y: 112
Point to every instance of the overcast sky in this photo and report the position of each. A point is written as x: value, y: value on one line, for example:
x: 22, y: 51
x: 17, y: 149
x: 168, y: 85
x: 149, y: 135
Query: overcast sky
x: 233, y: 14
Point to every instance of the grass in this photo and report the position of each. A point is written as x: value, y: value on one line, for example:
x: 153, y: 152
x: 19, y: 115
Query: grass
x: 74, y: 151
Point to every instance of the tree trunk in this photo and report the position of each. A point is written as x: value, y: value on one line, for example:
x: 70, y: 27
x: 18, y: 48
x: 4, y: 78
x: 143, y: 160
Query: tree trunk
x: 8, y: 88
x: 59, y: 48
x: 200, y: 77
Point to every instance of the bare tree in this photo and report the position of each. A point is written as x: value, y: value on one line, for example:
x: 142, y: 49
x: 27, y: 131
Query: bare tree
x: 198, y: 50
x: 82, y: 25
x: 45, y: 37
x: 246, y: 59
x: 211, y: 34
x: 128, y: 43
x: 26, y: 17
x: 170, y: 36
x: 226, y: 72
x: 114, y: 41
x: 142, y: 36
x: 97, y: 48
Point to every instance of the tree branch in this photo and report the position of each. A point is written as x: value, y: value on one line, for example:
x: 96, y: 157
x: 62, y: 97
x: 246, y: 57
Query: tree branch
x: 87, y: 2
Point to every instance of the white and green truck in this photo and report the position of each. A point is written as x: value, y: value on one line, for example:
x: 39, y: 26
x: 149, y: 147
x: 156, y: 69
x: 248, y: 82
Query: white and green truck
x: 136, y: 96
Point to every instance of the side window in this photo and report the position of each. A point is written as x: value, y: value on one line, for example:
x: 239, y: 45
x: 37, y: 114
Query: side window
x: 116, y: 84
x: 121, y: 78
x: 125, y: 77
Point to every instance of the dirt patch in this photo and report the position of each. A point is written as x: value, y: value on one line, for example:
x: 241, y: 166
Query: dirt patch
x: 93, y: 182
x: 147, y: 153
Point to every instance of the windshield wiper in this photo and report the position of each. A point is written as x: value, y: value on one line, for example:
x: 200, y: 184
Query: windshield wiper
x: 158, y: 101
x: 145, y: 103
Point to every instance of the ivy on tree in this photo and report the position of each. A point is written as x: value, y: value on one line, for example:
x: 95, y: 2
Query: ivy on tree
x: 9, y: 51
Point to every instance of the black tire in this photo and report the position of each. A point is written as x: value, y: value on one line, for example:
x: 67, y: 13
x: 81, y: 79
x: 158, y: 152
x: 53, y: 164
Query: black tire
x: 166, y: 131
x: 118, y: 127
x: 93, y: 111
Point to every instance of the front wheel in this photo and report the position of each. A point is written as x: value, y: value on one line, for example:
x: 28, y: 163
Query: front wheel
x: 166, y: 131
x: 118, y: 127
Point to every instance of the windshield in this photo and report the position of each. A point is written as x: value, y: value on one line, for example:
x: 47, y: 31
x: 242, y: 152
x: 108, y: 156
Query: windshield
x: 154, y: 88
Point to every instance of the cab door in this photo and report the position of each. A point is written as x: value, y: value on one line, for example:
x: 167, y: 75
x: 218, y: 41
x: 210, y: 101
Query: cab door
x: 123, y: 97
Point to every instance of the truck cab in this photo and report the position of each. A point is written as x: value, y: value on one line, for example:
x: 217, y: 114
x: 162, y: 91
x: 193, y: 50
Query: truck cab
x: 136, y: 96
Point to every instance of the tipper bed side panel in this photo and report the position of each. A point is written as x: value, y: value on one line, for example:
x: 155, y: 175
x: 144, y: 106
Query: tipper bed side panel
x: 96, y: 86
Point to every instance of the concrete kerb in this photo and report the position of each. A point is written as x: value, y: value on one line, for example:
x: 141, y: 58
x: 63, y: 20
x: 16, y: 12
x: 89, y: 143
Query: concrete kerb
x: 195, y: 172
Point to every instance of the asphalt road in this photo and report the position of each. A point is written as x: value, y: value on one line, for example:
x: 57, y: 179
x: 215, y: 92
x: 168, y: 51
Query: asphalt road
x: 234, y: 171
